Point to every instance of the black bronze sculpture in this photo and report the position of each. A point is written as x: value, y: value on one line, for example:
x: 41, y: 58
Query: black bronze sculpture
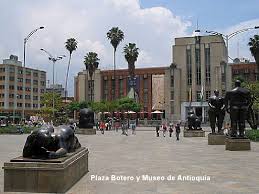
x: 194, y: 122
x: 216, y: 112
x: 47, y: 143
x: 86, y: 118
x: 237, y: 102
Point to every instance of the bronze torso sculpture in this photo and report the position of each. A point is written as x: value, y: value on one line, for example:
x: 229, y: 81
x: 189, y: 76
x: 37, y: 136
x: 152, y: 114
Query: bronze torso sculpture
x: 237, y: 103
x: 49, y: 143
x: 216, y: 112
x: 194, y: 122
x: 86, y: 118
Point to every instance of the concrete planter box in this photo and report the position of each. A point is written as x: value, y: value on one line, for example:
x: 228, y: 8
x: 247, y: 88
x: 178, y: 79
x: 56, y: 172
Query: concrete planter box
x: 235, y: 144
x: 45, y: 176
x: 216, y: 139
x: 194, y: 133
x: 86, y: 131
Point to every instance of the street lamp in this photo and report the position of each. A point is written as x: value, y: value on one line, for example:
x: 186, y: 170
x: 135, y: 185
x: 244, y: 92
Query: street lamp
x: 24, y: 58
x: 54, y: 60
x: 231, y: 35
x: 26, y: 40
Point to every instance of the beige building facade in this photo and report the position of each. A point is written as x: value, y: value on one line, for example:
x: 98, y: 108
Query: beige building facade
x: 199, y: 67
x: 21, y: 88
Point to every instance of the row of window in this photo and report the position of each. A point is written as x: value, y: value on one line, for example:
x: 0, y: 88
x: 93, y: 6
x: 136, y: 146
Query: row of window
x: 198, y: 64
x: 27, y: 105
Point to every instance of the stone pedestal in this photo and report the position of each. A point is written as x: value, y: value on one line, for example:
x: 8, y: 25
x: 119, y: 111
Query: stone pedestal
x: 235, y: 144
x: 194, y: 133
x: 86, y: 131
x: 45, y: 176
x: 216, y: 139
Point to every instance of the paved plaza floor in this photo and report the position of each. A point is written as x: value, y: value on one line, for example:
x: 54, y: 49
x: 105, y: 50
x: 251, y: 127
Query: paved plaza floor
x: 208, y: 169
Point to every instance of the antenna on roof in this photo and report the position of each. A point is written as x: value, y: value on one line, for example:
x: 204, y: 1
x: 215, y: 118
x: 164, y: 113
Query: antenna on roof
x: 197, y: 26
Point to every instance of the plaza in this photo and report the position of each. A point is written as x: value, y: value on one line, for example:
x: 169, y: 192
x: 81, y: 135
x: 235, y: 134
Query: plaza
x: 146, y: 164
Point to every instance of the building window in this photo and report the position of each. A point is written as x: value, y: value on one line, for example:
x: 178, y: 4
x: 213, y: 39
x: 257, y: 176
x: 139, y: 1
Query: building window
x: 172, y: 107
x: 35, y: 105
x: 35, y: 97
x: 198, y: 65
x: 2, y: 86
x: 105, y: 89
x: 145, y: 100
x: 1, y: 104
x: 35, y: 82
x: 198, y: 96
x: 145, y: 80
x: 35, y: 74
x: 20, y: 96
x: 28, y: 81
x: 11, y: 69
x: 27, y: 89
x: 42, y: 91
x: 20, y: 79
x: 11, y: 87
x: 27, y: 105
x: 19, y: 104
x: 223, y: 73
x: 19, y: 87
x: 2, y: 78
x: 28, y: 72
x: 207, y: 95
x: 35, y: 90
x: 113, y: 89
x: 11, y: 78
x: 11, y: 95
x: 1, y: 95
x: 189, y: 65
x: 121, y: 94
x: 11, y: 104
x: 207, y: 64
x: 91, y: 90
x: 2, y: 69
x: 27, y: 97
x: 20, y: 71
x: 42, y: 83
x: 172, y: 95
x: 42, y: 76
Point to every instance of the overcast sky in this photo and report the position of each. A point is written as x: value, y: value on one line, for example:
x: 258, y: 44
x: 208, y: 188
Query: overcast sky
x: 151, y: 24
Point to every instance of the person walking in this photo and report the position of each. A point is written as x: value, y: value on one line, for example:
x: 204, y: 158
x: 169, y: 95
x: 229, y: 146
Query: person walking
x: 171, y: 130
x: 102, y: 127
x: 157, y: 130
x: 177, y: 131
x: 164, y: 129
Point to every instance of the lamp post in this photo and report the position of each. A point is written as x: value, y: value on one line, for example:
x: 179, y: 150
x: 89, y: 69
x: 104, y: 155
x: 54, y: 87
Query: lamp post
x: 24, y: 59
x: 54, y: 60
x: 227, y: 37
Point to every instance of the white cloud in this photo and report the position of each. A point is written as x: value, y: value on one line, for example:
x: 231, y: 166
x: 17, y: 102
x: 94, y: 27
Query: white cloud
x: 152, y: 29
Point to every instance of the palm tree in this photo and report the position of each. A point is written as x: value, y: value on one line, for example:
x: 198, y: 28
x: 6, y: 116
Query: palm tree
x: 254, y: 49
x: 115, y: 35
x: 91, y: 64
x: 131, y: 55
x: 71, y: 45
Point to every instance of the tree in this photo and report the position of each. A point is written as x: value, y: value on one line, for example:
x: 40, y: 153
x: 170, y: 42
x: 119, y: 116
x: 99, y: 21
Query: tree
x: 131, y: 55
x: 91, y: 64
x: 71, y: 45
x: 47, y: 101
x: 254, y: 49
x: 115, y: 35
x: 73, y: 107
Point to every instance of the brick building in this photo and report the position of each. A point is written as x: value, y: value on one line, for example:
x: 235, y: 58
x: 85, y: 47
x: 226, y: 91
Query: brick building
x: 149, y: 87
x: 245, y: 70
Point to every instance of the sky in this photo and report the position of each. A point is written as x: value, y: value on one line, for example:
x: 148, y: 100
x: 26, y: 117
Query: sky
x: 151, y: 24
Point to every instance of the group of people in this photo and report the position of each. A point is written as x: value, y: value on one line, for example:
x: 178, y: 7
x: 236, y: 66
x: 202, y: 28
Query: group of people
x: 170, y: 129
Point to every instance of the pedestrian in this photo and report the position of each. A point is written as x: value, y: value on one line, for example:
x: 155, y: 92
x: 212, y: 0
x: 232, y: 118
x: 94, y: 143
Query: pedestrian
x: 133, y: 127
x: 102, y: 127
x: 171, y: 130
x: 157, y: 130
x: 177, y: 131
x: 164, y: 129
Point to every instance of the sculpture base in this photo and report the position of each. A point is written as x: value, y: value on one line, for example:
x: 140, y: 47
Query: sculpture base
x: 235, y: 144
x: 216, y: 139
x: 86, y: 131
x: 45, y: 176
x: 194, y: 133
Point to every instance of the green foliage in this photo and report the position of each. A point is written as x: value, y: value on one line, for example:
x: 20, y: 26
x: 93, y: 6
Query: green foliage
x: 253, y: 135
x: 73, y: 106
x: 13, y: 129
x: 71, y: 45
x: 131, y: 53
x: 47, y: 100
x: 254, y: 89
x: 115, y: 35
x: 83, y: 104
x: 128, y: 104
x: 91, y: 62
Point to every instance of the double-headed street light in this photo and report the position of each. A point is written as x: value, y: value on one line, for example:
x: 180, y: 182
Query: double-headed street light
x: 54, y: 60
x: 227, y: 37
x: 26, y: 40
x: 24, y: 62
